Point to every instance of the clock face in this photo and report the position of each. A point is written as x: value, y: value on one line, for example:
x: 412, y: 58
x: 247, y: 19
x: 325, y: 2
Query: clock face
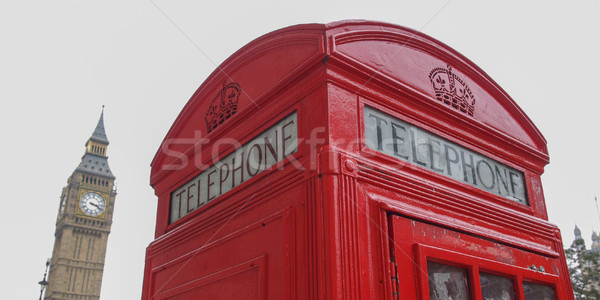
x: 92, y: 204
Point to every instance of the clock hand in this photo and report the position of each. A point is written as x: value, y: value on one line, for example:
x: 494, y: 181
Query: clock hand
x: 96, y: 205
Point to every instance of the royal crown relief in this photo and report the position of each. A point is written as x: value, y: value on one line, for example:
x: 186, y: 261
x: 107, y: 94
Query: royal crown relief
x: 452, y: 90
x: 223, y: 106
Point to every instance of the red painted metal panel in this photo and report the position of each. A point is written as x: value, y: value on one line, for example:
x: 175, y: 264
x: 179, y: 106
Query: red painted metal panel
x: 339, y: 218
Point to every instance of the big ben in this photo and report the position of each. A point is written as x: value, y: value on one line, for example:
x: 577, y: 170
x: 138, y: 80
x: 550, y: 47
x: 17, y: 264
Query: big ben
x: 83, y: 224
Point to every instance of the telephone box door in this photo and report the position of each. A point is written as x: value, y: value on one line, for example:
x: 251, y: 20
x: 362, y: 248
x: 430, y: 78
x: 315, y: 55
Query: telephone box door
x: 436, y: 262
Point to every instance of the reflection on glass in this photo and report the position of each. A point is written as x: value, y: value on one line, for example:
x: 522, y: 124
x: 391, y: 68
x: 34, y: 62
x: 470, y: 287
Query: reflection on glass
x: 447, y: 282
x: 495, y: 287
x: 534, y: 291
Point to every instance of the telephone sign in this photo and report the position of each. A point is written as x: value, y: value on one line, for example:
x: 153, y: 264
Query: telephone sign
x: 414, y: 145
x: 261, y: 153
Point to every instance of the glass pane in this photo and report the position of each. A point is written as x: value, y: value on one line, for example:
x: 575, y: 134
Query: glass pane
x: 534, y: 291
x: 447, y: 282
x: 494, y: 287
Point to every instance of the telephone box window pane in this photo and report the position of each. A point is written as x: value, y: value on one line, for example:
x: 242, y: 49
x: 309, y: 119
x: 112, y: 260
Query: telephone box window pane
x: 447, y: 282
x: 534, y: 291
x: 495, y: 287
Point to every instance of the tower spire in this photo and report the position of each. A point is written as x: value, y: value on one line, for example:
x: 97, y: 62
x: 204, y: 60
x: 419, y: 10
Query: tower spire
x: 99, y: 134
x: 94, y: 161
x: 577, y: 232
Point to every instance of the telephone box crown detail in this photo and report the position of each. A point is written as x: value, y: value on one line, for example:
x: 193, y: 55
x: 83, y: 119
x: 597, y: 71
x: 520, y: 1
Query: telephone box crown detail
x: 452, y: 90
x: 223, y: 106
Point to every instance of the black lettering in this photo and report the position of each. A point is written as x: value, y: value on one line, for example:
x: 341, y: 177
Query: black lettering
x: 250, y: 161
x: 274, y: 151
x: 240, y: 169
x: 198, y: 192
x: 284, y: 138
x: 396, y: 138
x: 431, y: 152
x: 222, y: 179
x: 448, y: 159
x: 489, y: 187
x: 180, y: 206
x: 466, y: 165
x: 379, y: 132
x: 513, y: 183
x: 414, y: 145
x: 209, y: 183
x: 502, y: 180
x: 189, y: 197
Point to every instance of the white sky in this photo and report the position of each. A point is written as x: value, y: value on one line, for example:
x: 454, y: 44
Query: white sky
x: 60, y: 61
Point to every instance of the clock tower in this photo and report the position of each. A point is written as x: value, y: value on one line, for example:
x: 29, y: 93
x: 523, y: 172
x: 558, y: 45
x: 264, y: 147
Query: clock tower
x: 83, y: 223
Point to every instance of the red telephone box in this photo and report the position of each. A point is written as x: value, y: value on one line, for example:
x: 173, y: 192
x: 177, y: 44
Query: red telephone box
x: 352, y: 160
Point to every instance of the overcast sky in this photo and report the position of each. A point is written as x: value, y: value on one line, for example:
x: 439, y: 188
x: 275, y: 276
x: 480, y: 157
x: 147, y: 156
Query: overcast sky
x: 60, y: 61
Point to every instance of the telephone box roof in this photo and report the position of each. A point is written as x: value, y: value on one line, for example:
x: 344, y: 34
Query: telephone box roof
x: 377, y: 53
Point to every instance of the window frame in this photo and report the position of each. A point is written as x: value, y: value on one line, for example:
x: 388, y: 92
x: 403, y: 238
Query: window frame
x: 474, y: 265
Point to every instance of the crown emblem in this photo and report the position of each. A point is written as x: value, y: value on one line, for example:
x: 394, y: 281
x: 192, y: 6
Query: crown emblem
x: 451, y: 90
x: 223, y: 106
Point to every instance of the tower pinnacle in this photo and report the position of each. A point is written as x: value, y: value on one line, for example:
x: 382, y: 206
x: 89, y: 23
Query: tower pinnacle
x: 99, y: 134
x: 577, y: 232
x: 95, y: 159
